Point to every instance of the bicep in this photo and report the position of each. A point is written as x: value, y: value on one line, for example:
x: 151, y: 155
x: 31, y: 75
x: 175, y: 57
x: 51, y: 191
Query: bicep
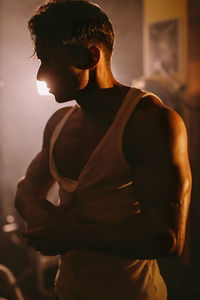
x: 38, y: 174
x: 162, y: 175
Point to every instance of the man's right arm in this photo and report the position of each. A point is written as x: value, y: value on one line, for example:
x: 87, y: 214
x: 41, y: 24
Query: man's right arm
x: 32, y: 190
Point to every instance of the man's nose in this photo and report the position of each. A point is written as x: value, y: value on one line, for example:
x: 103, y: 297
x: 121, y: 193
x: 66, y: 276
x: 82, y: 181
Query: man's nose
x: 41, y: 74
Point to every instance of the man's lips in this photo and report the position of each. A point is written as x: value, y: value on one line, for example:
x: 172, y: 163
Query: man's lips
x: 51, y: 91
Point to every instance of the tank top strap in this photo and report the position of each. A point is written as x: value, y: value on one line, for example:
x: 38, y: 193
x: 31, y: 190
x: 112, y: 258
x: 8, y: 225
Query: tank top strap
x: 55, y: 135
x: 131, y: 101
x: 60, y: 125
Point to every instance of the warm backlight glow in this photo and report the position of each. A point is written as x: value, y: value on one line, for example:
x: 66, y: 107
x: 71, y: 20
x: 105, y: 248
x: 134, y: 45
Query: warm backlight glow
x: 42, y: 88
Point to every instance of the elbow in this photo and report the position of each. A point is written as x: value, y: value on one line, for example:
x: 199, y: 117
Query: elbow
x: 17, y: 196
x: 20, y: 182
x: 169, y: 245
x: 17, y: 201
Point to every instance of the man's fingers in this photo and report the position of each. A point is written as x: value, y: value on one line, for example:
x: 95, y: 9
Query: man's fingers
x: 47, y: 246
x: 36, y: 232
x: 42, y: 247
x: 48, y: 205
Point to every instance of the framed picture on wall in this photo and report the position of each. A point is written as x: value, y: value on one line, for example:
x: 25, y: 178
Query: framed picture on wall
x: 163, y: 54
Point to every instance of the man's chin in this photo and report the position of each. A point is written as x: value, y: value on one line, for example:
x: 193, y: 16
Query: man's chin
x: 62, y: 99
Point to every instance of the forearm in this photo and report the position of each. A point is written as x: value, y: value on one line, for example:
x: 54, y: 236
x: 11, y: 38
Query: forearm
x: 30, y: 202
x: 27, y: 195
x: 36, y: 183
x: 138, y: 237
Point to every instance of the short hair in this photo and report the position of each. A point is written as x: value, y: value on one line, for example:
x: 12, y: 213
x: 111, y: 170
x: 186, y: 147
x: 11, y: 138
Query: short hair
x: 71, y: 22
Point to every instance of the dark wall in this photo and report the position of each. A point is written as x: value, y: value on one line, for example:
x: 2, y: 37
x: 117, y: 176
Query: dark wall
x: 193, y: 101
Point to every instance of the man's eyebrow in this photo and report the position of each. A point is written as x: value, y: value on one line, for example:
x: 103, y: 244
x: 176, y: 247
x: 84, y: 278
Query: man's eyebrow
x: 41, y: 56
x: 38, y: 54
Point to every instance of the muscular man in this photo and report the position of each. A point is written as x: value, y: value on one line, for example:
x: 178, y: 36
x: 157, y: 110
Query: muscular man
x: 120, y: 159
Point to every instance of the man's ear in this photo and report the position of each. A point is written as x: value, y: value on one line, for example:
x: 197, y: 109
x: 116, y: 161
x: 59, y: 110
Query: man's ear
x: 93, y: 57
x: 89, y: 58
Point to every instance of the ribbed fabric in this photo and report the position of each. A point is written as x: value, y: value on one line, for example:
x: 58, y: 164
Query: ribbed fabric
x: 104, y: 194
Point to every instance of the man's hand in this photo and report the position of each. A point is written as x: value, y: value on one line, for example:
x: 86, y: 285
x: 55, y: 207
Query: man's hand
x: 48, y: 245
x: 40, y: 213
x: 56, y: 236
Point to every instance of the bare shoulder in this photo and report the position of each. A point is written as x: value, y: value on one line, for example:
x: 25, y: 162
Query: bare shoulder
x: 152, y: 112
x: 52, y: 123
x: 155, y: 128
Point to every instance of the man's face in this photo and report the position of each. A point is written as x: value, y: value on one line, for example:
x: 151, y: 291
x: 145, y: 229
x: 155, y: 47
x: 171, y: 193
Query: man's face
x: 58, y: 70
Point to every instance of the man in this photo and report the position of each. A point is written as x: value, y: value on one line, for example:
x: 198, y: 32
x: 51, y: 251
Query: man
x: 119, y: 157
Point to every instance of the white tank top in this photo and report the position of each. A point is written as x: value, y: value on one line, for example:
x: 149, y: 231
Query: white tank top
x: 104, y: 194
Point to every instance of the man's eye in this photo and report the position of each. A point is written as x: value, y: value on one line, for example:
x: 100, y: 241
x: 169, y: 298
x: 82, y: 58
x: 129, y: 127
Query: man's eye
x: 45, y: 60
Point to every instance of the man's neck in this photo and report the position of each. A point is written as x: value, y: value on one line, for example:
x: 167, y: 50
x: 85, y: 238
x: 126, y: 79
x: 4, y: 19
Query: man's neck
x: 98, y: 100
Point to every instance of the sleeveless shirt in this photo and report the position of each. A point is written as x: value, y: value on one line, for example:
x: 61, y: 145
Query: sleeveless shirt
x: 104, y: 194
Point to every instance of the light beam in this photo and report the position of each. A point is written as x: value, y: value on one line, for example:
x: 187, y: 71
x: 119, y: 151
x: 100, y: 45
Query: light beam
x: 42, y: 88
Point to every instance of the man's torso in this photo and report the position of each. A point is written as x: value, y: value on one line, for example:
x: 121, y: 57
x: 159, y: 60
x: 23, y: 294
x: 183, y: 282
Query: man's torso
x: 82, y: 133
